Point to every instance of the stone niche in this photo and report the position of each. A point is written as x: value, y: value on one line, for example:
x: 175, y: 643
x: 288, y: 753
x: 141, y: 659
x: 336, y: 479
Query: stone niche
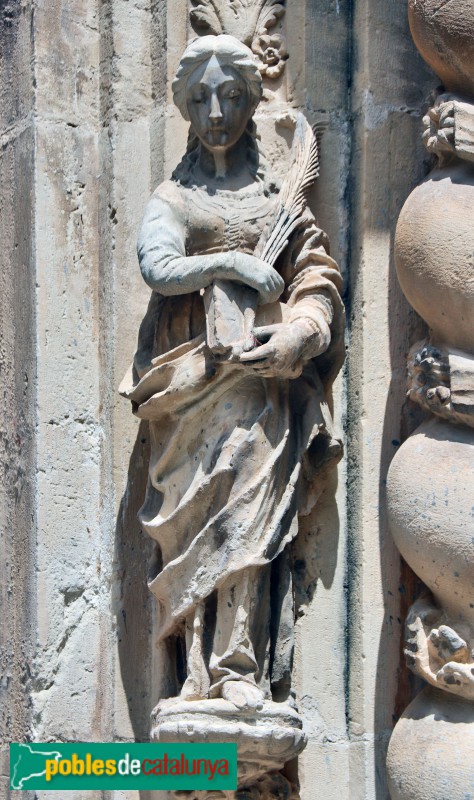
x: 88, y: 131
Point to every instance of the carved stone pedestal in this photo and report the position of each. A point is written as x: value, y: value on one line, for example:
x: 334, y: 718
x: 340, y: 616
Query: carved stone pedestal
x: 266, y: 740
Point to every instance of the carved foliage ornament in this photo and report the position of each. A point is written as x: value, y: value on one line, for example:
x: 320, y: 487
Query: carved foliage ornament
x: 248, y: 20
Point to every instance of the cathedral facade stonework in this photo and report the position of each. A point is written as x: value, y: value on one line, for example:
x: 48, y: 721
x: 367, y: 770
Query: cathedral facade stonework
x: 276, y: 546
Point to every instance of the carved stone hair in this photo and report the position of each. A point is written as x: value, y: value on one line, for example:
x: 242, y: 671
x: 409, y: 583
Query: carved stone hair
x: 227, y: 50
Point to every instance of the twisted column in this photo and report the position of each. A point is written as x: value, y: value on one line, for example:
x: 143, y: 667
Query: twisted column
x: 431, y: 479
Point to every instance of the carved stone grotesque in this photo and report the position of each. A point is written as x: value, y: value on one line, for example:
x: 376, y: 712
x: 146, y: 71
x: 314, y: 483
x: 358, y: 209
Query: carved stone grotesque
x: 236, y: 353
x: 431, y: 480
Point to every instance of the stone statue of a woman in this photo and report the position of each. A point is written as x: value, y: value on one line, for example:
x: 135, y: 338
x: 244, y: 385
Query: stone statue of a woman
x: 239, y: 442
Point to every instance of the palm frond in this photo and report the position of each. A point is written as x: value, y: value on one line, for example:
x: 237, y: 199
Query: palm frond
x: 303, y: 171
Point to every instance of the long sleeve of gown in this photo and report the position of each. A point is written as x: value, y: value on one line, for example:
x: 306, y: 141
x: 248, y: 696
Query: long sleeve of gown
x: 313, y: 294
x: 164, y: 264
x: 161, y: 242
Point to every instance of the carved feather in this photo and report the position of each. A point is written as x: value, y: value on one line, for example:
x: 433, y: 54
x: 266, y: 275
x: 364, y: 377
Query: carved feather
x: 303, y: 171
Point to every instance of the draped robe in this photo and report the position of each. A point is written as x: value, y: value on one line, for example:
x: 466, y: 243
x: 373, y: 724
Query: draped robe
x: 235, y: 457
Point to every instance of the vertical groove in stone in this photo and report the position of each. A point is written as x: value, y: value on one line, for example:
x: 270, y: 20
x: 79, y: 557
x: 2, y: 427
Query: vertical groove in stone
x: 318, y: 73
x: 133, y: 35
x: 158, y: 55
x: 17, y: 378
x: 389, y: 87
x: 106, y: 265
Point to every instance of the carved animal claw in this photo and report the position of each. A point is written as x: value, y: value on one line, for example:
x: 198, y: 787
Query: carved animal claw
x: 458, y: 678
x: 439, y: 394
x: 449, y: 644
x: 438, y: 654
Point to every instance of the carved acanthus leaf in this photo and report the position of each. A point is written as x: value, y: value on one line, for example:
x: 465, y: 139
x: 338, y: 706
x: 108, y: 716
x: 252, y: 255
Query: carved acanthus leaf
x: 244, y: 19
x: 271, y: 12
x: 205, y: 17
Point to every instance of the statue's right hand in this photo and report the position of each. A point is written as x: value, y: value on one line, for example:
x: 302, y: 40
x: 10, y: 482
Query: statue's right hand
x: 259, y: 276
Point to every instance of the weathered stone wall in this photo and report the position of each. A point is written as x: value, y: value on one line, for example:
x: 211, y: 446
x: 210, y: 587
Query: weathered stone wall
x: 18, y: 379
x: 389, y: 92
x: 88, y: 130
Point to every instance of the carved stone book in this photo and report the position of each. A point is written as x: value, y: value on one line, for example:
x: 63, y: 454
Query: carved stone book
x: 230, y: 314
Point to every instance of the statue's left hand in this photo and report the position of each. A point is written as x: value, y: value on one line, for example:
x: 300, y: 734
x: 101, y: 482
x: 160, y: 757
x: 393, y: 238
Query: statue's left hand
x: 279, y: 353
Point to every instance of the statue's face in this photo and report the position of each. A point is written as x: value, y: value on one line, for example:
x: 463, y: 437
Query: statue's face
x: 219, y: 107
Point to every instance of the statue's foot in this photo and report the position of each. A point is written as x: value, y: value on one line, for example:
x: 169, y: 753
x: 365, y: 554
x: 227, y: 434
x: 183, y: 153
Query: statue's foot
x: 243, y: 694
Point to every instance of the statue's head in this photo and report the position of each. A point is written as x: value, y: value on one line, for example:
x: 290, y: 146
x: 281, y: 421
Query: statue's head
x: 217, y: 88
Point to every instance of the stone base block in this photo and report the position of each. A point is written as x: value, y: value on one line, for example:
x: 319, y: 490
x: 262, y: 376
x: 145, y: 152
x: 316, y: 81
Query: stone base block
x: 266, y: 740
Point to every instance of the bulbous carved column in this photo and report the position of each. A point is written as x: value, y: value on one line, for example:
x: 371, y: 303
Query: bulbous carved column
x: 430, y: 483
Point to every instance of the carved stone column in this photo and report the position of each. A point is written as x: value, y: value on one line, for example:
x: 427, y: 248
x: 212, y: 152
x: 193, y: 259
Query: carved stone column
x: 431, y: 479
